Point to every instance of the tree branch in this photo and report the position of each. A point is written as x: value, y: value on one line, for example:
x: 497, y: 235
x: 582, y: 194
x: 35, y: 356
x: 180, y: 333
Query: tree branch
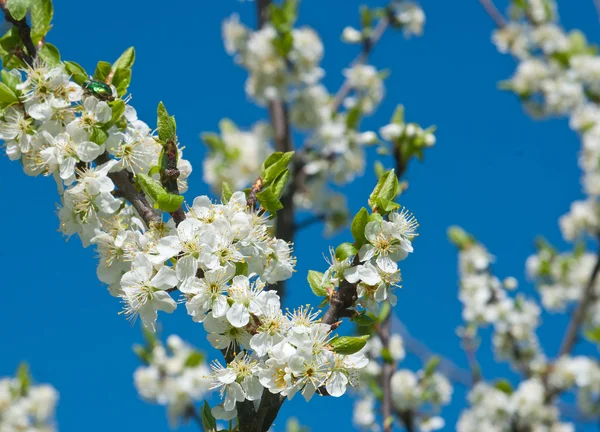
x: 127, y: 190
x: 24, y: 32
x: 384, y: 333
x: 493, y: 12
x: 368, y: 46
x: 169, y: 177
x: 578, y: 316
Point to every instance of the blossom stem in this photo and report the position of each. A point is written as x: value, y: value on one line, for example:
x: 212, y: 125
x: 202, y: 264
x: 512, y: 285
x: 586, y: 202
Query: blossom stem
x: 138, y: 200
x: 578, y: 316
x: 493, y: 12
x: 368, y: 46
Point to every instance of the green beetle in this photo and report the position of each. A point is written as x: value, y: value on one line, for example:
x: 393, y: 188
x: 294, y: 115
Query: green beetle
x: 99, y: 89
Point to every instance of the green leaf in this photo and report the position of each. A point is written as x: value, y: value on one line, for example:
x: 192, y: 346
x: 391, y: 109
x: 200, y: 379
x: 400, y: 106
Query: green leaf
x: 345, y: 250
x: 18, y: 8
x: 269, y: 201
x: 504, y: 386
x: 385, y: 206
x: 315, y: 279
x: 144, y: 354
x: 24, y: 377
x: 226, y: 126
x: 366, y: 16
x: 386, y: 308
x: 166, y: 124
x: 386, y: 355
x: 348, y: 345
x: 275, y: 164
x: 98, y: 135
x: 213, y: 141
x: 386, y: 189
x: 7, y: 96
x: 50, y: 53
x: 10, y: 80
x: 358, y: 227
x: 209, y: 423
x: 41, y: 17
x: 226, y: 192
x: 459, y: 237
x: 432, y: 366
x: 363, y: 320
x: 164, y: 200
x: 118, y: 109
x: 593, y: 335
x: 353, y: 117
x: 102, y: 71
x: 280, y: 182
x: 284, y: 43
x: 398, y: 116
x: 77, y: 72
x: 125, y: 61
x: 241, y: 268
x: 121, y: 80
x: 194, y: 359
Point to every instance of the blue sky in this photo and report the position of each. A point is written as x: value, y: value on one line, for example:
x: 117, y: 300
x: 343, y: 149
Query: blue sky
x: 495, y: 171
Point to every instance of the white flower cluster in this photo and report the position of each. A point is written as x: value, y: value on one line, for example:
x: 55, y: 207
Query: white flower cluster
x: 422, y: 393
x: 175, y: 376
x: 388, y: 241
x: 291, y: 353
x: 486, y: 301
x: 561, y: 280
x: 581, y: 373
x: 334, y: 151
x: 501, y: 410
x: 271, y: 75
x: 558, y: 73
x: 50, y: 129
x: 235, y: 156
x: 213, y: 244
x: 26, y: 407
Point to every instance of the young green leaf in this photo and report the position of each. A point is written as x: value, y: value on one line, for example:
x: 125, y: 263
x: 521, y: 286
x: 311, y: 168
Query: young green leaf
x: 348, y: 345
x: 41, y: 17
x: 125, y: 61
x: 226, y: 192
x: 50, y: 53
x: 398, y: 116
x: 162, y: 199
x: 209, y: 423
x: 275, y: 164
x: 166, y: 124
x: 269, y: 201
x: 121, y: 80
x: 24, y: 377
x: 345, y: 250
x: 358, y: 227
x: 77, y: 72
x: 315, y: 279
x: 432, y: 366
x: 194, y: 359
x: 504, y: 386
x: 280, y: 182
x: 98, y: 135
x: 7, y: 96
x: 386, y: 188
x: 102, y: 71
x: 18, y: 8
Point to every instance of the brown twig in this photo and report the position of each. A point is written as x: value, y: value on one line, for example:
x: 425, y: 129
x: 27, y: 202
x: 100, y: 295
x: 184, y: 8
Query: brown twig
x: 169, y: 176
x: 384, y: 333
x: 24, y: 32
x: 579, y: 314
x: 493, y: 12
x: 256, y: 188
x: 127, y: 190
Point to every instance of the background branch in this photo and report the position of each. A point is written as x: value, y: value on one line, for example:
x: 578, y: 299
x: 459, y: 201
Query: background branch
x: 578, y: 316
x: 493, y: 12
